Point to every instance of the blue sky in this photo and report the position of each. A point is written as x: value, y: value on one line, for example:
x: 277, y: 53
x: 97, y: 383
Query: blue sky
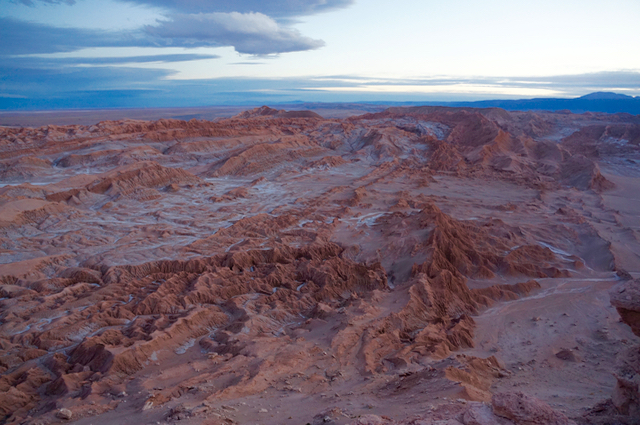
x: 166, y: 53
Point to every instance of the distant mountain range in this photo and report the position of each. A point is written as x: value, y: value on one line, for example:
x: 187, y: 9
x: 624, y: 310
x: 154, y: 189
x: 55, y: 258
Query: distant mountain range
x: 607, y: 102
x: 595, y: 102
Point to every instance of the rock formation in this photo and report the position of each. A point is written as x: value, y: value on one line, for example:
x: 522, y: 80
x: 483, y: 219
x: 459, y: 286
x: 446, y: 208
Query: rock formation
x: 414, y: 266
x: 626, y: 397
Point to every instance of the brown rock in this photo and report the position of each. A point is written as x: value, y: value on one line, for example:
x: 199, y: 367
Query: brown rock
x: 92, y: 354
x: 626, y: 396
x: 370, y: 420
x: 481, y: 414
x: 12, y: 399
x: 623, y: 274
x: 567, y: 355
x: 625, y: 297
x: 525, y: 410
x: 282, y: 285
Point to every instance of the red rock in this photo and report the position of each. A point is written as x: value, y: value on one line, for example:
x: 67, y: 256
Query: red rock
x: 525, y: 410
x: 334, y: 250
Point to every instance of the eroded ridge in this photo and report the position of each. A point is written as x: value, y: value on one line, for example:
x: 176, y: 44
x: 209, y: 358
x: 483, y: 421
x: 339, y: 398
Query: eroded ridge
x: 418, y: 265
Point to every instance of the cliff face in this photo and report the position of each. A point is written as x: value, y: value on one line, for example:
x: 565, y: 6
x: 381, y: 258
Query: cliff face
x: 414, y: 263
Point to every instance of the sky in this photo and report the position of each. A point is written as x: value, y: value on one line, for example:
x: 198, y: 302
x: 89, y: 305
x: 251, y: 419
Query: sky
x: 57, y: 54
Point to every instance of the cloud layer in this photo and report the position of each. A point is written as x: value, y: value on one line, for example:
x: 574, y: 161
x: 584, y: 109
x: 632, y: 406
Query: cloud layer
x: 28, y: 81
x: 23, y: 38
x: 23, y: 86
x: 33, y: 2
x: 275, y: 8
x: 250, y: 33
x: 250, y: 26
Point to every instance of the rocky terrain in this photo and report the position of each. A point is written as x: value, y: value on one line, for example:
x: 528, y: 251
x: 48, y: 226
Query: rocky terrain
x: 419, y: 265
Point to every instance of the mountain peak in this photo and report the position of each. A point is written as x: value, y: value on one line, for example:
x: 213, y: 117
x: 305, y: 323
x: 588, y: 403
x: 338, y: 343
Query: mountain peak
x: 605, y: 95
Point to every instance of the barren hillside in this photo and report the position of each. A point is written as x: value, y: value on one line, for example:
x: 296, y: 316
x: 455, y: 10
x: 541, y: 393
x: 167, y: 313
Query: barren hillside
x: 415, y: 266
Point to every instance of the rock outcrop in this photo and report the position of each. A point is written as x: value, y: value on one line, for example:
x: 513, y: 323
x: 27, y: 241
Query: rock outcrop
x: 381, y: 268
x: 626, y: 398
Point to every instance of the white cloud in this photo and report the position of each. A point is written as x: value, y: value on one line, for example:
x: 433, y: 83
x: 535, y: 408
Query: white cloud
x: 278, y: 8
x: 251, y: 33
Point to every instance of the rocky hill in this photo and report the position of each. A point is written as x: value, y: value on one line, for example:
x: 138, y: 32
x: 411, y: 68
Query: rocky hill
x: 420, y: 265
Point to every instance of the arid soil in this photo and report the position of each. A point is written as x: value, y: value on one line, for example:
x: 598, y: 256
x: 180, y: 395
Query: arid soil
x: 415, y: 266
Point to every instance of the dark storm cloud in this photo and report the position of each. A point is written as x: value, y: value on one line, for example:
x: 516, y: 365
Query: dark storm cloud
x: 275, y: 8
x: 250, y: 33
